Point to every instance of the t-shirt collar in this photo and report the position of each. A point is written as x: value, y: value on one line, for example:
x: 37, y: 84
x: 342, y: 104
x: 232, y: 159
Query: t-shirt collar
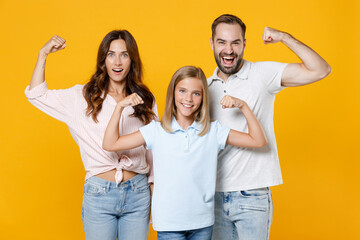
x: 176, y: 127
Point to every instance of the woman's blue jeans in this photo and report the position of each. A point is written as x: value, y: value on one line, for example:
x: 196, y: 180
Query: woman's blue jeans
x: 110, y: 211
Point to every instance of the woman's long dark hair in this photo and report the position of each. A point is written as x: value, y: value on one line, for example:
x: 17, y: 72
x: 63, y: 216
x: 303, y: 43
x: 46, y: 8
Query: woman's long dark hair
x: 99, y: 83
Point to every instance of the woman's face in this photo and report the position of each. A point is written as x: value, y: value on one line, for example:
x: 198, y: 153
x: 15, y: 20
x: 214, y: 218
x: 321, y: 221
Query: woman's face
x: 117, y: 61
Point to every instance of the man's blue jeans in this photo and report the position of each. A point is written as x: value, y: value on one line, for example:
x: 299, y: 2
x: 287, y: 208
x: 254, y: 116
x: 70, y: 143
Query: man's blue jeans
x: 243, y: 215
x: 111, y: 211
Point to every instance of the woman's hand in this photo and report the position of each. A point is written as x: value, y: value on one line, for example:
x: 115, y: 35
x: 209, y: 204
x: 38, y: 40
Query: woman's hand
x: 131, y: 100
x: 231, y: 102
x: 55, y: 44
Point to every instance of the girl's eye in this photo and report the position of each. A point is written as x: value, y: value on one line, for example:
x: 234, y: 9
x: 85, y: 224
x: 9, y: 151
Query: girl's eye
x: 197, y: 94
x: 181, y: 90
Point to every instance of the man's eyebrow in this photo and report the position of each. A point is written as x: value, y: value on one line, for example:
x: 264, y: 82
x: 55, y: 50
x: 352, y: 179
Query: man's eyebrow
x: 223, y: 40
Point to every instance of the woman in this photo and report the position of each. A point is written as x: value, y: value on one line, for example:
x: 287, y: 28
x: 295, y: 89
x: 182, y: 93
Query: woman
x: 116, y: 200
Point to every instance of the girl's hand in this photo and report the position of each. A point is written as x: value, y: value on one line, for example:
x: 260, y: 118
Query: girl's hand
x: 131, y: 100
x: 55, y: 44
x: 231, y: 102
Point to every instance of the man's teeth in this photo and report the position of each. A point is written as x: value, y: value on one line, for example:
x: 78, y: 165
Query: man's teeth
x: 117, y: 70
x: 228, y: 58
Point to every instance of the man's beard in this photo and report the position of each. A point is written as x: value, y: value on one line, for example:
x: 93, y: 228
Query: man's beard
x: 228, y: 70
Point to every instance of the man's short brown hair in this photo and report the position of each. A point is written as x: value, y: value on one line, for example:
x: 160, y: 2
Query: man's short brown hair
x: 228, y: 19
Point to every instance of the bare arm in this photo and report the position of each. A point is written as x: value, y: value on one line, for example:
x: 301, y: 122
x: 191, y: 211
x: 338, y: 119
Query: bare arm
x: 56, y: 43
x: 312, y: 68
x: 112, y: 140
x: 255, y: 137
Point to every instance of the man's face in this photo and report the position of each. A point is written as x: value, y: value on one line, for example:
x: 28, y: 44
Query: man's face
x: 228, y: 45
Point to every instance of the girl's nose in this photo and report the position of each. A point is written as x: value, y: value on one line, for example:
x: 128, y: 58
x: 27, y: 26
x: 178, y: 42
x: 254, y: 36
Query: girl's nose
x: 188, y: 97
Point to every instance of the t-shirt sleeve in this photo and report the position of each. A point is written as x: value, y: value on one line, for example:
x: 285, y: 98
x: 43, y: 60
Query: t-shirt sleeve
x: 59, y: 104
x: 222, y: 133
x: 148, y: 133
x: 271, y: 73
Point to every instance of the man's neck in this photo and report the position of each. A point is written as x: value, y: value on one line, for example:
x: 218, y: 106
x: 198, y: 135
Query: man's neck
x: 225, y: 76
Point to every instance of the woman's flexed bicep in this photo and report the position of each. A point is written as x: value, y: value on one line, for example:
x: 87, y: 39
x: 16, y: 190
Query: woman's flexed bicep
x: 55, y: 44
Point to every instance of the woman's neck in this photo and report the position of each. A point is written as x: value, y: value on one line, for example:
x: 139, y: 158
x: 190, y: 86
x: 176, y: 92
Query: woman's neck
x: 117, y: 90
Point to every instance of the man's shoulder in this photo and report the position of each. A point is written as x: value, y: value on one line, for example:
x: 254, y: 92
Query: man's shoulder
x: 264, y: 65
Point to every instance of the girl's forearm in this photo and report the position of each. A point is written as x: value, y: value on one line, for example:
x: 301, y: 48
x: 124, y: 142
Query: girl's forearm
x: 256, y: 132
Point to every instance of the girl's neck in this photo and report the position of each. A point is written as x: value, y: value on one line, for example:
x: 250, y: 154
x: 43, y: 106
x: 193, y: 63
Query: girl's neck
x: 184, y: 122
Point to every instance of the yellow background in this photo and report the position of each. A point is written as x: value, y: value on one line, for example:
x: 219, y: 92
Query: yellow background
x: 317, y: 126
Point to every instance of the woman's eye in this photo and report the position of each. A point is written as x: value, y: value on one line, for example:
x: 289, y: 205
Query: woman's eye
x: 181, y: 90
x: 197, y: 94
x: 124, y: 55
x: 110, y: 54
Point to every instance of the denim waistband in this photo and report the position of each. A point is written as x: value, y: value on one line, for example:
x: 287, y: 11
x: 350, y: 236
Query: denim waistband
x: 109, y: 184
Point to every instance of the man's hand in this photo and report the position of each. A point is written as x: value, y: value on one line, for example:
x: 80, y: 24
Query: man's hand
x: 272, y: 35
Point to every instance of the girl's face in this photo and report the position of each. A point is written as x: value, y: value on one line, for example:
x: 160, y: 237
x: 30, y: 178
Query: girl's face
x: 117, y: 61
x: 188, y: 97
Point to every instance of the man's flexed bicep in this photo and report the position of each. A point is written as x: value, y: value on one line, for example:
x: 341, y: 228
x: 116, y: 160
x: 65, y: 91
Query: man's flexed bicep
x: 312, y: 68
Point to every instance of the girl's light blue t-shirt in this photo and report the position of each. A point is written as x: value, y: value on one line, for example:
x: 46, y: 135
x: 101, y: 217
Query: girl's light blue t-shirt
x: 185, y: 166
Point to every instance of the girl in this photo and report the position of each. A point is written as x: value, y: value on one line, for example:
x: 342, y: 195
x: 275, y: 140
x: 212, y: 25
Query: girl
x: 111, y: 177
x: 185, y: 146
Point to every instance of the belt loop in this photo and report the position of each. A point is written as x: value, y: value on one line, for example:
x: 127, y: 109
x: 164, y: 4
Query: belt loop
x: 108, y: 186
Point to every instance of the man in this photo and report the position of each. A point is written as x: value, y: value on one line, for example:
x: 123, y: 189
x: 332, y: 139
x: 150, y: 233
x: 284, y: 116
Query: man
x: 243, y: 197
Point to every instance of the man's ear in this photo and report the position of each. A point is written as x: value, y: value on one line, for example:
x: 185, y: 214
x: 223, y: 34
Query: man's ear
x: 211, y: 43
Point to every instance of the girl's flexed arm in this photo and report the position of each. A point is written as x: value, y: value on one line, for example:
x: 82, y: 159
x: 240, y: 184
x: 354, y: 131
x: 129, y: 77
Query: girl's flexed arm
x: 112, y: 141
x: 55, y: 44
x: 255, y: 137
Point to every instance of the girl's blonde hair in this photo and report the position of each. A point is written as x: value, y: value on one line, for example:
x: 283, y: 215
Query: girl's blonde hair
x: 201, y: 115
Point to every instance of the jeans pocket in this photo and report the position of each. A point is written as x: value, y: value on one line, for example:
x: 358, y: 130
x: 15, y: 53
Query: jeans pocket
x: 258, y: 193
x: 254, y: 199
x: 253, y: 208
x: 91, y: 189
x: 142, y: 188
